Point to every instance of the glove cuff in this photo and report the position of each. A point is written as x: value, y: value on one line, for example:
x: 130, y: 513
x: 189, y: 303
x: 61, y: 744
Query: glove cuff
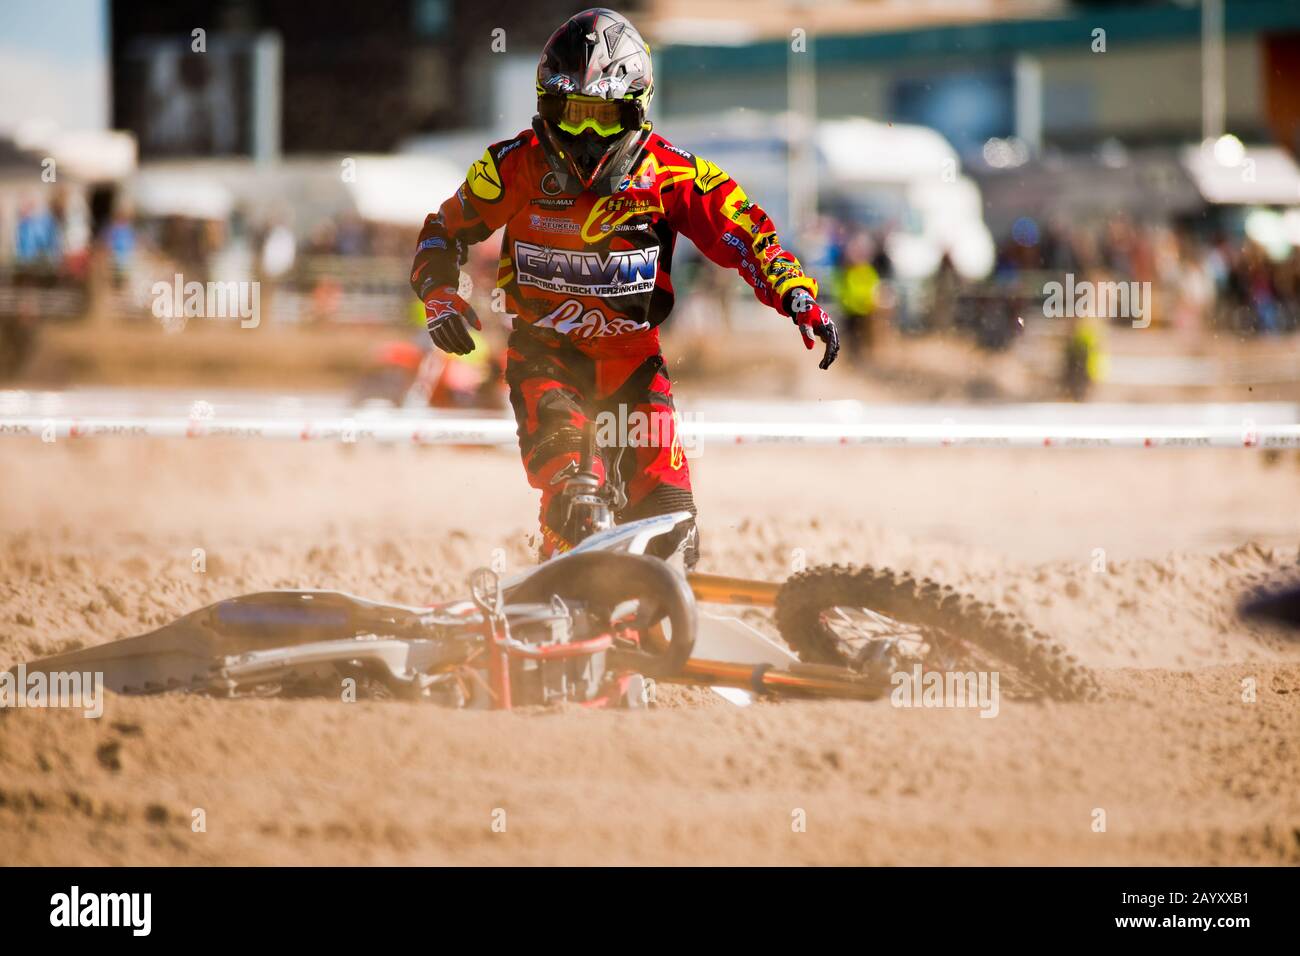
x: 787, y: 299
x: 443, y: 289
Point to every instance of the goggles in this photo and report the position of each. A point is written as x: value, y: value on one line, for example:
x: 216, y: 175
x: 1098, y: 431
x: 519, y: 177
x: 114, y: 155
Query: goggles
x: 573, y: 114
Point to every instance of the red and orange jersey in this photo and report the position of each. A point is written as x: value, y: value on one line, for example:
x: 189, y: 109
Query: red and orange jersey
x: 597, y: 269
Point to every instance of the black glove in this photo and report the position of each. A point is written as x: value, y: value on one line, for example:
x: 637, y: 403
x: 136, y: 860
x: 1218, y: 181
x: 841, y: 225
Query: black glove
x: 814, y: 323
x: 446, y: 316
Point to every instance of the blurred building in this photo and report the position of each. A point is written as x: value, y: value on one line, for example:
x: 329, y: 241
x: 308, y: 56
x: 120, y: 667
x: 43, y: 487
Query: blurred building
x: 326, y: 75
x: 1053, y: 73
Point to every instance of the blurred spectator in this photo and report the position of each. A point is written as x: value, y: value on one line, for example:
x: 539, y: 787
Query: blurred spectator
x: 946, y: 287
x: 279, y: 250
x: 119, y: 238
x: 39, y: 240
x: 1191, y: 279
x: 856, y: 285
x: 277, y: 253
x: 351, y: 238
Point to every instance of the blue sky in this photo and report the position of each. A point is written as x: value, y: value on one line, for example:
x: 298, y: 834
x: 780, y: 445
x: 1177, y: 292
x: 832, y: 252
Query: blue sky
x: 60, y: 29
x: 54, y: 62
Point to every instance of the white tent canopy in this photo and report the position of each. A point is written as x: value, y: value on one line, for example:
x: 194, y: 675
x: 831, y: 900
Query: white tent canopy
x: 391, y: 190
x: 169, y: 192
x: 862, y: 150
x: 1265, y: 176
x: 90, y: 155
x: 401, y: 190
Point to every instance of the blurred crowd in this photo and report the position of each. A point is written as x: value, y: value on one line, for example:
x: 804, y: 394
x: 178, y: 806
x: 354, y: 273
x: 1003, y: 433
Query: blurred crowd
x: 55, y: 236
x: 46, y: 237
x: 1202, y: 280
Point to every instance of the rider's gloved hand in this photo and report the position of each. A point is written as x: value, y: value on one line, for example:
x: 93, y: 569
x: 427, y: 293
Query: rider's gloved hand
x: 814, y: 323
x: 446, y: 316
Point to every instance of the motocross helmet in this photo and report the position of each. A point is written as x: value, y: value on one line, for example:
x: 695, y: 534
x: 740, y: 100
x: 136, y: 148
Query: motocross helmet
x: 594, y: 84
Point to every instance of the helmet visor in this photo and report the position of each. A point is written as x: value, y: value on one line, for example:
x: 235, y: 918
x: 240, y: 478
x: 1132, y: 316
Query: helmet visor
x: 575, y: 114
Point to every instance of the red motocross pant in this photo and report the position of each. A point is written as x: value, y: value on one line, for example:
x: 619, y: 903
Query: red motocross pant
x: 555, y: 390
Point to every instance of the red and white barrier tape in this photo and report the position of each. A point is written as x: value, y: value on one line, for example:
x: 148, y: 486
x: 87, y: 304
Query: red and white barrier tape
x: 492, y: 431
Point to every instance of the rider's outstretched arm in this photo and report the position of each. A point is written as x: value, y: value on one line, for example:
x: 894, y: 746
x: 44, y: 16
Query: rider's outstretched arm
x: 483, y: 203
x: 733, y: 231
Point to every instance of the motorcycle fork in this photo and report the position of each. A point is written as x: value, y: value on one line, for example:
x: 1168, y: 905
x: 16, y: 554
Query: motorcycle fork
x: 722, y: 589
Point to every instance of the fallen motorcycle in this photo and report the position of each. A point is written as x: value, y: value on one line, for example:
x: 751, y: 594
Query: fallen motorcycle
x: 599, y: 625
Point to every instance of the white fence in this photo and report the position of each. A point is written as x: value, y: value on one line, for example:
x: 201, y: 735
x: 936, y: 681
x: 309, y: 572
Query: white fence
x: 501, y: 431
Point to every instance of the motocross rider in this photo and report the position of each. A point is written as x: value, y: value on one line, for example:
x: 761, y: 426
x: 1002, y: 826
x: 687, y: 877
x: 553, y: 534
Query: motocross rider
x: 592, y: 199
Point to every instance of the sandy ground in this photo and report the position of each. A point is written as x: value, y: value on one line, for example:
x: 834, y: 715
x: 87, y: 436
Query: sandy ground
x: 96, y: 543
